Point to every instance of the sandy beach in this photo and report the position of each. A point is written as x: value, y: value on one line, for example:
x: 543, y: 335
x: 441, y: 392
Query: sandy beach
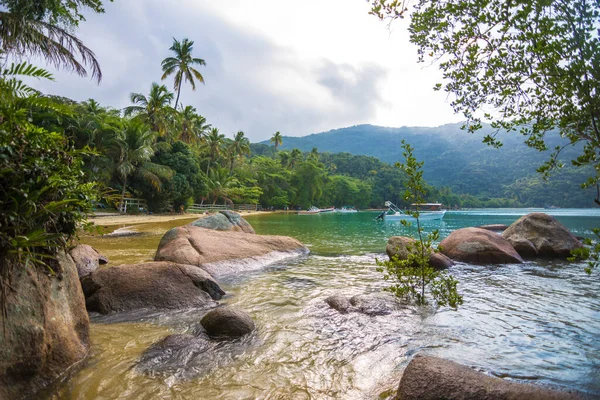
x: 110, y: 219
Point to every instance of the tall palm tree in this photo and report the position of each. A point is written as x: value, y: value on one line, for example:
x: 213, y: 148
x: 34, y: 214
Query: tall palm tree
x: 21, y: 35
x: 214, y: 146
x: 238, y: 147
x: 153, y: 109
x: 277, y: 139
x: 295, y: 158
x: 182, y: 65
x: 193, y: 127
x: 132, y: 150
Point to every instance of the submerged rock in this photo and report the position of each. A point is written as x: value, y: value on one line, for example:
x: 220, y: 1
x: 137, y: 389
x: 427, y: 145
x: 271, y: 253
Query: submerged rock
x: 494, y: 227
x: 479, y: 246
x: 539, y: 234
x: 364, y: 304
x: 151, y: 285
x: 432, y: 378
x: 224, y: 221
x: 339, y: 303
x: 172, y: 355
x: 226, y: 323
x: 398, y: 246
x: 44, y: 328
x: 209, y: 249
x: 87, y: 259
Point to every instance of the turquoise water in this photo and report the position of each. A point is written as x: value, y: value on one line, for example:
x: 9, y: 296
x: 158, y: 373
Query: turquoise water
x: 536, y: 322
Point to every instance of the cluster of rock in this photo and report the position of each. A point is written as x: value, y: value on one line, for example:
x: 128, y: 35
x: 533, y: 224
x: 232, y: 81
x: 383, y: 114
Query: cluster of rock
x: 533, y: 235
x: 46, y: 326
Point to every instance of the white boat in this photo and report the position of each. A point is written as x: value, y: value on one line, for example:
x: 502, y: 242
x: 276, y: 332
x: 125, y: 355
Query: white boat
x: 345, y: 210
x: 427, y: 212
x: 315, y: 210
x: 311, y: 211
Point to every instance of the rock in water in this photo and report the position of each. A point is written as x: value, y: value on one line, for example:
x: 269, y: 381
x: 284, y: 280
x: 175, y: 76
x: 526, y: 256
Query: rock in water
x: 224, y: 221
x: 398, y: 246
x: 172, y: 355
x: 45, y: 331
x: 226, y: 323
x: 479, y: 246
x: 339, y: 303
x: 200, y: 247
x: 151, y: 285
x: 432, y: 378
x: 87, y: 259
x: 539, y: 234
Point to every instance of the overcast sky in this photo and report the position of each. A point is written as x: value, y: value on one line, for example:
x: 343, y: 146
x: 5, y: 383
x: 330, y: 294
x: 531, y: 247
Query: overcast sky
x: 299, y: 67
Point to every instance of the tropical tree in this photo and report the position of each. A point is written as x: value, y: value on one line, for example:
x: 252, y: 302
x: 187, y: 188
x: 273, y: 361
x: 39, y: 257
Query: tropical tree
x: 132, y: 150
x: 295, y: 158
x: 284, y: 158
x: 277, y: 139
x: 31, y: 27
x: 193, y: 127
x: 532, y: 66
x: 214, y: 146
x: 237, y: 148
x: 153, y: 109
x: 182, y: 65
x: 218, y: 183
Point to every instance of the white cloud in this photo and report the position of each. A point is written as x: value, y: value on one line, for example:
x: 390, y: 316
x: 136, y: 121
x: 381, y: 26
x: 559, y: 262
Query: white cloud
x: 296, y: 67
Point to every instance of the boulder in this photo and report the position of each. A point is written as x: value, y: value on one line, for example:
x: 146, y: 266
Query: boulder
x: 173, y: 355
x: 432, y: 378
x: 339, y: 303
x: 224, y: 221
x: 151, y: 285
x: 44, y: 327
x: 479, y: 246
x: 87, y: 259
x: 494, y: 227
x: 210, y: 250
x: 370, y: 305
x: 539, y: 234
x: 226, y: 323
x: 398, y: 246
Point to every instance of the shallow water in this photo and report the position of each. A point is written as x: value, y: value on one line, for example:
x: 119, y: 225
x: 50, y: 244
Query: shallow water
x: 536, y: 322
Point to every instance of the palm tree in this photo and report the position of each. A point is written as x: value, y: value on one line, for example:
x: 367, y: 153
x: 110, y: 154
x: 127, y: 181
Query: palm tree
x: 238, y: 147
x: 214, y: 145
x: 193, y: 126
x: 218, y: 183
x: 155, y: 109
x: 277, y: 139
x: 284, y: 158
x: 132, y: 150
x: 21, y: 35
x: 182, y: 65
x: 295, y: 158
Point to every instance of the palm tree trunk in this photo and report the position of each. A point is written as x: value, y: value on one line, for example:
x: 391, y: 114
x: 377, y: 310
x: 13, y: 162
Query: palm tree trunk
x: 123, y: 193
x: 207, y: 167
x: 178, y: 93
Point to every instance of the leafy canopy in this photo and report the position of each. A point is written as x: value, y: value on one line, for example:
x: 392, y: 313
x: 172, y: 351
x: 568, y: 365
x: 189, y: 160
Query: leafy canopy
x: 527, y: 66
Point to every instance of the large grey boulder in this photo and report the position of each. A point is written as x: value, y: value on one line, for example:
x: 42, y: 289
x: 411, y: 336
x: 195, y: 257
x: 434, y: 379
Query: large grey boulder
x: 87, y: 259
x: 432, y: 378
x: 539, y: 234
x: 478, y: 246
x: 44, y: 327
x: 216, y: 251
x: 398, y: 246
x: 227, y: 323
x: 151, y: 285
x: 224, y: 221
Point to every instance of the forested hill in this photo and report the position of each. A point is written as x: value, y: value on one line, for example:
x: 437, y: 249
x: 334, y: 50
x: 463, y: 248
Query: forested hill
x: 460, y: 160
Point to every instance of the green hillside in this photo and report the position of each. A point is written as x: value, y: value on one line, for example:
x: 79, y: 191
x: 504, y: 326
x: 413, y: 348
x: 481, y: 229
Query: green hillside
x: 460, y: 161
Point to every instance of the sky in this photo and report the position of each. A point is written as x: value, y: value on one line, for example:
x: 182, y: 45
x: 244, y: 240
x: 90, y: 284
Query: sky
x: 298, y: 67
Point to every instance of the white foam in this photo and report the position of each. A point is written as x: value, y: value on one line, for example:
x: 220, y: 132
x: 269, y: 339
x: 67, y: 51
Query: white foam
x: 235, y: 266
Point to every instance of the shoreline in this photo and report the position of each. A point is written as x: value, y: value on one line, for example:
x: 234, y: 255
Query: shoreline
x: 111, y: 219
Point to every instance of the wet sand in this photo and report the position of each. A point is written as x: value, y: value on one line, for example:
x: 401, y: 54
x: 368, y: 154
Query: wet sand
x: 108, y: 219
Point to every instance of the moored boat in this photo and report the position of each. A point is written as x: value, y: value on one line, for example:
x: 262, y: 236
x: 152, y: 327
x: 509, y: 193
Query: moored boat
x: 311, y: 211
x: 427, y: 212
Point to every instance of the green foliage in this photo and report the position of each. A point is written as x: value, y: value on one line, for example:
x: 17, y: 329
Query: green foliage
x: 277, y: 139
x: 590, y: 252
x: 57, y: 12
x: 43, y: 197
x: 413, y: 274
x: 532, y: 65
